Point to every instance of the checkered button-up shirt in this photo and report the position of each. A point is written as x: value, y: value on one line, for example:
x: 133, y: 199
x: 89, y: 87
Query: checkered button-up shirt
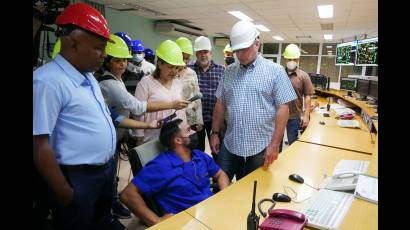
x: 251, y: 96
x: 208, y: 82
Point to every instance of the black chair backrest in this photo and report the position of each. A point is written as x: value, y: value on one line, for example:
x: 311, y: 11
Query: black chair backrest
x: 139, y: 157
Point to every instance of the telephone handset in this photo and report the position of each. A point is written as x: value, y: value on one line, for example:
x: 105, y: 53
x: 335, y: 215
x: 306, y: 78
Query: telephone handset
x: 284, y: 219
x: 341, y: 182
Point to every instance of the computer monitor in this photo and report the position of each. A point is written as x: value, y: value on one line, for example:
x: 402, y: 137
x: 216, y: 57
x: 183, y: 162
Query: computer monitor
x: 346, y: 53
x: 366, y: 54
x: 319, y: 80
x: 362, y: 88
x: 348, y: 84
x: 373, y: 90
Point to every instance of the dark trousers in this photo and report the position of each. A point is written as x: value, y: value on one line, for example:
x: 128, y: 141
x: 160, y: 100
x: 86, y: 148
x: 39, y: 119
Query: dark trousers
x: 292, y: 129
x: 92, y: 199
x: 233, y: 164
x: 206, y: 131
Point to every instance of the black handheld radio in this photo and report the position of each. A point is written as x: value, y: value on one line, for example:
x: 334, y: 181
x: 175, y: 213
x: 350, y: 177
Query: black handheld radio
x: 253, y: 219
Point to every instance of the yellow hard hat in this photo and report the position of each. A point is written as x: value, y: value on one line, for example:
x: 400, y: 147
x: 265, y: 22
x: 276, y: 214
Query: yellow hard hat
x: 291, y: 52
x: 185, y: 44
x: 56, y: 49
x: 228, y: 49
x: 119, y: 49
x: 170, y: 52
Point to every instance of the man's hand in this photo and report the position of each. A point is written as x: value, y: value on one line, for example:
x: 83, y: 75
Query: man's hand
x: 271, y: 154
x: 180, y: 104
x: 65, y: 196
x: 215, y: 143
x: 164, y: 217
x: 305, y: 121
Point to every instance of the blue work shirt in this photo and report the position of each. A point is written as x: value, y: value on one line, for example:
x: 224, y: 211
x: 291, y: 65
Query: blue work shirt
x: 251, y: 96
x: 69, y: 107
x: 177, y: 185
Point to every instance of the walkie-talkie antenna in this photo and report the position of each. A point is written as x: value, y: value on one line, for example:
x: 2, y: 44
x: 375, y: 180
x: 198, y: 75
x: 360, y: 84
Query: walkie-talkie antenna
x: 253, y: 219
x: 254, y: 196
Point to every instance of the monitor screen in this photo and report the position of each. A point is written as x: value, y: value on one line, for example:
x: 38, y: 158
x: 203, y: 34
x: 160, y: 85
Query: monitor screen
x: 366, y: 54
x: 363, y: 87
x: 373, y: 90
x: 346, y: 53
x: 348, y: 84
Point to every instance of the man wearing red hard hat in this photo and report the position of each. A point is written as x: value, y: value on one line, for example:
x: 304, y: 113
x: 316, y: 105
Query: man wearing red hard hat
x: 73, y: 135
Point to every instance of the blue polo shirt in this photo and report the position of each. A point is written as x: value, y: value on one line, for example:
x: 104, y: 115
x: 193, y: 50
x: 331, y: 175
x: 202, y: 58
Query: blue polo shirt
x: 174, y: 184
x: 70, y: 108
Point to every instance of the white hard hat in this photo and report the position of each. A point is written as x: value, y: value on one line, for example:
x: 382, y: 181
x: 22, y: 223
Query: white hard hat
x: 243, y: 35
x: 202, y: 43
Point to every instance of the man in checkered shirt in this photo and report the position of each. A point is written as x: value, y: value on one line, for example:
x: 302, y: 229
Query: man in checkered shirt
x: 255, y: 92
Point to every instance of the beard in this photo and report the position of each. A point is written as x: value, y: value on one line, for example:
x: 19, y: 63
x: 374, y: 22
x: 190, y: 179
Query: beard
x: 203, y: 62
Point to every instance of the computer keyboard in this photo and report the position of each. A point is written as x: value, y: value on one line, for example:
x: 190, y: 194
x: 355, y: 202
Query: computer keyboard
x: 327, y: 209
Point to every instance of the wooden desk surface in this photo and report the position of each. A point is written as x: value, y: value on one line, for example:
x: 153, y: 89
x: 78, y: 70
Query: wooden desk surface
x: 229, y: 208
x: 181, y: 220
x: 341, y: 94
x: 331, y: 134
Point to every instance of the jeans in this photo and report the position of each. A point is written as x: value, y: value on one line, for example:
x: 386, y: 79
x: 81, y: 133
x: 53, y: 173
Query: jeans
x: 232, y: 164
x: 292, y: 129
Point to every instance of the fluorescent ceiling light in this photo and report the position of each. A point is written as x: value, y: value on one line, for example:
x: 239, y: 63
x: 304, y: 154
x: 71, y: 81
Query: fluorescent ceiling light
x: 329, y: 47
x: 325, y: 11
x: 262, y: 28
x: 328, y: 36
x: 279, y: 38
x: 241, y: 15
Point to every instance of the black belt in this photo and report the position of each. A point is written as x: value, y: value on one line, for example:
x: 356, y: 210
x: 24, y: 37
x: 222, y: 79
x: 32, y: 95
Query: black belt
x: 85, y: 167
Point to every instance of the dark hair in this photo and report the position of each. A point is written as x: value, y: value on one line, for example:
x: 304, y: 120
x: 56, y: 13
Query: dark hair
x: 157, y: 71
x: 107, y: 62
x: 168, y: 132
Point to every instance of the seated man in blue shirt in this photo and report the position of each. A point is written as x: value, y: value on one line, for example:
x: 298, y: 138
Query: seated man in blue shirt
x: 177, y: 179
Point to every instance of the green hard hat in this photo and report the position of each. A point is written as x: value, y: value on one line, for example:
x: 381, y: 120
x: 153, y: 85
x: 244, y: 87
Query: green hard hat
x: 185, y: 44
x: 56, y: 49
x: 118, y: 49
x: 292, y: 51
x: 170, y: 52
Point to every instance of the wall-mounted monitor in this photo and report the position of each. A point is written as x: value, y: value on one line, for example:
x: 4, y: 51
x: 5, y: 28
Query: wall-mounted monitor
x: 346, y: 53
x: 366, y: 54
x: 348, y: 84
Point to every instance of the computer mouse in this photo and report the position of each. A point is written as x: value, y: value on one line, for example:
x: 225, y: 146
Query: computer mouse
x: 326, y: 115
x: 280, y: 197
x: 296, y: 178
x: 321, y: 122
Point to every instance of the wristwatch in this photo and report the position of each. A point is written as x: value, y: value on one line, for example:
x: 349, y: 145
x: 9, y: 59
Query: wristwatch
x: 215, y: 132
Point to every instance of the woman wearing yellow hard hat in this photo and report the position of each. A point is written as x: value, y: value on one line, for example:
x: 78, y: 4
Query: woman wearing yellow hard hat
x: 161, y: 86
x: 190, y: 86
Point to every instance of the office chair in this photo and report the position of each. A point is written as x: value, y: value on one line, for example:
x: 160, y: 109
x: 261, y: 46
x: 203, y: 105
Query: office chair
x: 139, y: 157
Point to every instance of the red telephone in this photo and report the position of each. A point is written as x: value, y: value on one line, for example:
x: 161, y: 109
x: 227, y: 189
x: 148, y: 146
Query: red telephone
x: 284, y: 219
x: 346, y: 117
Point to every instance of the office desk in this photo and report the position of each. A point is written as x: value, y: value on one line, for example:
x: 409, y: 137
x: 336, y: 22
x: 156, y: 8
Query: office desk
x: 362, y: 104
x: 331, y: 134
x: 229, y: 208
x: 181, y: 220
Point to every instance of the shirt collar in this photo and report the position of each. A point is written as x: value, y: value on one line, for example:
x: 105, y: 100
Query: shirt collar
x: 177, y: 161
x: 72, y: 73
x: 253, y: 64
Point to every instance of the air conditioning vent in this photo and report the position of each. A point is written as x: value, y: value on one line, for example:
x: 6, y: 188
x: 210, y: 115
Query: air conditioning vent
x: 326, y: 26
x: 177, y: 30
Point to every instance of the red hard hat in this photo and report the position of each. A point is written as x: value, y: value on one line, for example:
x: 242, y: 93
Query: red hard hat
x: 86, y: 17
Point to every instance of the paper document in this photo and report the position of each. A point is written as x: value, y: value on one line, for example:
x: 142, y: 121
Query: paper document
x: 367, y: 188
x: 337, y: 106
x: 348, y: 123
